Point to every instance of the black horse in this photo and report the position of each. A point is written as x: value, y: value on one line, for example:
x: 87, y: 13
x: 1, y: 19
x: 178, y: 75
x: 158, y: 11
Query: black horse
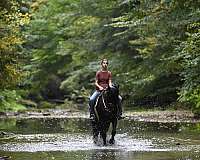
x: 106, y: 109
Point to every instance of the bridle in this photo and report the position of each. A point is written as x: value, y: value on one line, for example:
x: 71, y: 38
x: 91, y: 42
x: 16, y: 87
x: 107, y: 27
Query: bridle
x: 104, y: 104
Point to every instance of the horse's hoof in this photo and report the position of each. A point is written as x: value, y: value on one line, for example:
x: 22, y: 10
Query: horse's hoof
x: 95, y: 140
x: 104, y: 144
x: 112, y: 141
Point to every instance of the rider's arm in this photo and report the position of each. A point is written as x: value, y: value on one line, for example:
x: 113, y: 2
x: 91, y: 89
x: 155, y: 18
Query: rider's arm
x: 110, y: 79
x: 96, y: 84
x: 110, y: 83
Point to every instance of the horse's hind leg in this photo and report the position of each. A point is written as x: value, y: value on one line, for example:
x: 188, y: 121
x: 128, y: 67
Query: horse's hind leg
x: 95, y: 131
x: 114, y: 126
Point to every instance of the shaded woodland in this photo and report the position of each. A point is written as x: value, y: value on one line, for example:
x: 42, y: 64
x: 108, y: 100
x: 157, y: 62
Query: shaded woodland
x: 50, y: 51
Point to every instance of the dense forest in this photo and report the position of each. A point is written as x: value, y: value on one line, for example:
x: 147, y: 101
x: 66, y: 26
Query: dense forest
x: 51, y: 49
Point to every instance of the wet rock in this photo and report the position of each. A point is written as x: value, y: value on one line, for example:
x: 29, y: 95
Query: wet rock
x: 34, y: 113
x: 46, y: 114
x: 80, y: 99
x: 16, y: 113
x: 4, y: 157
x: 2, y: 113
x: 6, y: 134
x: 27, y: 103
x: 2, y: 133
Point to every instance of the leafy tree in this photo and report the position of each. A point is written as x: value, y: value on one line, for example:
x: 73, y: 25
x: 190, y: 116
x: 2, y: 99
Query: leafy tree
x: 13, y: 17
x: 190, y: 61
x: 55, y: 37
x: 159, y: 27
x: 148, y: 43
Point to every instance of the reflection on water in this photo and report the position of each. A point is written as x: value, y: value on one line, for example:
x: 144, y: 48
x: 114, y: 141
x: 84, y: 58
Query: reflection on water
x: 72, y: 139
x: 102, y: 155
x: 29, y: 126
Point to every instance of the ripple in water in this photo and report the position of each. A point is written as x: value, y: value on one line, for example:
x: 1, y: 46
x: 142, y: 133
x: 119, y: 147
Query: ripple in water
x: 75, y: 142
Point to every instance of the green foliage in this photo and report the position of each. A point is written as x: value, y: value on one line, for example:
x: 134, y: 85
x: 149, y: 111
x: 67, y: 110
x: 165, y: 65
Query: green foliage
x: 190, y: 61
x: 13, y: 17
x: 9, y: 101
x: 152, y: 47
x: 157, y: 28
x: 56, y: 35
x: 45, y: 105
x: 11, y: 21
x: 7, y: 124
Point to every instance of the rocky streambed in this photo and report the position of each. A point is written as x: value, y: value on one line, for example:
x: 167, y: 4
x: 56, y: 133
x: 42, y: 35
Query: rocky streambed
x: 146, y: 116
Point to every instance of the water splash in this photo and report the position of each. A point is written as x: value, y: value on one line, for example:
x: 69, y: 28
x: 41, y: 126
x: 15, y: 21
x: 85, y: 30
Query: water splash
x: 75, y: 142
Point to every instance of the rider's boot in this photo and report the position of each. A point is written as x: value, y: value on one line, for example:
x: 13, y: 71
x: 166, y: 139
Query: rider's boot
x: 119, y: 116
x: 91, y: 110
x: 92, y: 116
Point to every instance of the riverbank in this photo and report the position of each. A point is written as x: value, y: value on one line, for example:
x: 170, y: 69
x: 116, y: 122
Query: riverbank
x: 146, y: 116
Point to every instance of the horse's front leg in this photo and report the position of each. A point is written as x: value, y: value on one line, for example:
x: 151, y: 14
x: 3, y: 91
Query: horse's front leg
x: 114, y: 127
x: 95, y: 132
x: 103, y: 135
x: 104, y: 131
x: 95, y: 137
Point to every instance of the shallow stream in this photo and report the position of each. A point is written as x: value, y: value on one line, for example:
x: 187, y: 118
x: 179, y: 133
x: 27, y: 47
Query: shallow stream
x: 71, y: 138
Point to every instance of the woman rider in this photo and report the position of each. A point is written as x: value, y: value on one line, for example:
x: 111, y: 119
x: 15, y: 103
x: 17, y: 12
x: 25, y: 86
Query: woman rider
x: 103, y: 80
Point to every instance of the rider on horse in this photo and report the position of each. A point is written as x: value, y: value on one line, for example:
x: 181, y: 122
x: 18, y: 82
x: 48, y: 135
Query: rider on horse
x: 103, y: 81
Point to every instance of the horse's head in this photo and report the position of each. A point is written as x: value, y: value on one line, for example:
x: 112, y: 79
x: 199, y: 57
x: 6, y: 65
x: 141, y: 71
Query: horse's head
x: 115, y: 89
x: 111, y: 95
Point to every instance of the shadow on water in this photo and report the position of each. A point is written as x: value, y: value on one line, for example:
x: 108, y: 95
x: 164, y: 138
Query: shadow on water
x: 72, y: 139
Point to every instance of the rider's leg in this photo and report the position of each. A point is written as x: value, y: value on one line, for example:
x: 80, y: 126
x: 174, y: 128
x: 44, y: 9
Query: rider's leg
x: 120, y: 107
x: 92, y: 102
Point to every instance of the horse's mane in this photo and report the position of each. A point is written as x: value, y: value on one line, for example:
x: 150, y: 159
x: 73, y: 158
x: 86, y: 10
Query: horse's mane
x: 106, y: 106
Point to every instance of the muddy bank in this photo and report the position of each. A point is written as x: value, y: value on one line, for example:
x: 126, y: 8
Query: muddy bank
x: 163, y: 116
x: 146, y: 116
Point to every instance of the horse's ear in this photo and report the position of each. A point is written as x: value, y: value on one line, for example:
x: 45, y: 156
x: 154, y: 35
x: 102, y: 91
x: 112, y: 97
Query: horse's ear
x: 115, y: 85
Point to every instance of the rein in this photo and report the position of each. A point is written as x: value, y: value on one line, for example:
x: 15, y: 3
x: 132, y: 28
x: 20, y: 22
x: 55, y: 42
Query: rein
x: 95, y: 107
x: 104, y: 102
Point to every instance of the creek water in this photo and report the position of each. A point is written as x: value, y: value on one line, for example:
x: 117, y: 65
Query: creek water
x: 71, y: 138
